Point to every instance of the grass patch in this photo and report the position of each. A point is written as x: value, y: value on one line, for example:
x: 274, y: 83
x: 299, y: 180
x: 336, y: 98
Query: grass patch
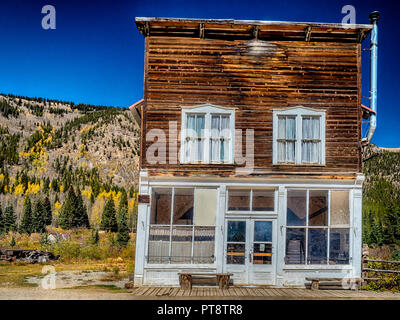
x: 108, y: 287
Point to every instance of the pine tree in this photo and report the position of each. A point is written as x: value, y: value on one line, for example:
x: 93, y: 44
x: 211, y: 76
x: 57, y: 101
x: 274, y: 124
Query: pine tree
x: 123, y: 202
x: 48, y: 216
x: 95, y: 236
x: 39, y: 217
x: 68, y: 210
x: 10, y: 220
x: 81, y: 216
x: 123, y: 229
x: 26, y: 222
x: 12, y: 242
x: 109, y: 219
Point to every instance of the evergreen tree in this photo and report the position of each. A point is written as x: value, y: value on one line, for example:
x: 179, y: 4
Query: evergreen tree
x: 123, y: 229
x: 48, y: 216
x: 68, y: 210
x: 10, y: 220
x: 109, y: 219
x: 39, y: 217
x: 81, y: 216
x: 123, y: 202
x: 26, y: 222
x: 12, y: 242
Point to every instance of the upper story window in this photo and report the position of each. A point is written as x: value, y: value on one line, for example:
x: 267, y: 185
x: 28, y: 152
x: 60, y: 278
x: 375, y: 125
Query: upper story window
x: 298, y: 136
x: 207, y: 134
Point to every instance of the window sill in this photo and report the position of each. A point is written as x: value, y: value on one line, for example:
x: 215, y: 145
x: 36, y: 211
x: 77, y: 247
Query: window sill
x: 209, y: 163
x: 303, y: 267
x: 299, y: 164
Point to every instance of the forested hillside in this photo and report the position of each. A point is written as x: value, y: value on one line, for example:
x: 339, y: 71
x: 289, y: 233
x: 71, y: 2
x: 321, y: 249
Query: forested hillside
x: 381, y: 197
x: 60, y: 163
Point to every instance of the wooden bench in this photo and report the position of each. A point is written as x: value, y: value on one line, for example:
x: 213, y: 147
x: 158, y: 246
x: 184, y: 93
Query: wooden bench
x: 334, y: 283
x: 186, y: 279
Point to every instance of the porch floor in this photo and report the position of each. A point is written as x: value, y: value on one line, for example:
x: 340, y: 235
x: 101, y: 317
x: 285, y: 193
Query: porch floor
x: 263, y: 293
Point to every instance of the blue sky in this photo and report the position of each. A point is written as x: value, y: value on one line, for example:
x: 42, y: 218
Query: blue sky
x: 95, y: 54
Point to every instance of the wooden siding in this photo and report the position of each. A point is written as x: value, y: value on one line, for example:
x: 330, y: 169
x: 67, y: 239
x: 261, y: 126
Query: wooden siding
x: 255, y: 77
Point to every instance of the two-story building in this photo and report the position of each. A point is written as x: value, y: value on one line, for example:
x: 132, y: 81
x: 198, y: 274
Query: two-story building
x: 250, y: 151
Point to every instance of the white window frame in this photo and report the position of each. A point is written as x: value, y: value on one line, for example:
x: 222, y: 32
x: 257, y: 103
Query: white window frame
x: 208, y: 110
x: 298, y: 113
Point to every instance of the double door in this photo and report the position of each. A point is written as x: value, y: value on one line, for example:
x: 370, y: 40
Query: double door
x: 249, y: 250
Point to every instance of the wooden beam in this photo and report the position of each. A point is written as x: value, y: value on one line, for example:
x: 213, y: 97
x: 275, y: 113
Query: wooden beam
x: 308, y: 33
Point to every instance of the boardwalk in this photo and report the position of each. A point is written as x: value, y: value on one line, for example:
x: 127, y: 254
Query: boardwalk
x: 244, y: 293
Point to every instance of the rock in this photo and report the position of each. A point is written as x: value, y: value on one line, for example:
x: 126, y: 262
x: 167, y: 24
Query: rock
x: 129, y: 285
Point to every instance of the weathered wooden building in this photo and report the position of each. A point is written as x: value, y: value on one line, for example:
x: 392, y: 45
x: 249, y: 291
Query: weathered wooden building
x: 250, y: 151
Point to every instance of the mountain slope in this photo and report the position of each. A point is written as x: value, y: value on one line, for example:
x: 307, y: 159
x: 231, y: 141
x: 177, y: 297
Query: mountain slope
x: 48, y: 145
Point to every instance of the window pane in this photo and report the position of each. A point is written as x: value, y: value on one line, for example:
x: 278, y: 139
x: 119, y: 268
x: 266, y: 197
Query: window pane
x: 262, y: 253
x: 306, y: 151
x: 199, y: 125
x: 191, y: 122
x: 158, y: 244
x: 296, y: 207
x: 263, y: 200
x: 290, y: 127
x: 235, y: 253
x: 306, y: 128
x: 225, y: 125
x: 183, y: 206
x: 263, y: 231
x: 317, y: 246
x: 318, y: 208
x: 290, y: 151
x: 181, y: 244
x: 281, y: 127
x: 281, y: 151
x: 199, y: 149
x: 340, y: 212
x: 204, y: 240
x: 295, y: 246
x: 206, y: 206
x: 214, y: 149
x: 161, y: 206
x: 239, y: 200
x: 215, y: 125
x: 316, y: 127
x: 339, y: 246
x: 236, y: 231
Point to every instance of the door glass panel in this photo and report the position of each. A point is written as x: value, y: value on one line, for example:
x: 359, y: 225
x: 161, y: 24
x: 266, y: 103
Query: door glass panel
x: 262, y: 253
x: 262, y: 246
x: 235, y: 253
x: 339, y: 246
x: 236, y: 242
x: 236, y: 231
x: 263, y: 231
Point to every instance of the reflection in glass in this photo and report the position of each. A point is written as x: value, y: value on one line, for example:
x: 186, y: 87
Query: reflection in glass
x: 236, y: 231
x: 339, y: 246
x: 239, y: 200
x: 235, y: 253
x: 262, y: 253
x: 295, y: 246
x: 296, y: 207
x: 317, y: 246
x: 263, y: 200
x: 263, y: 231
x: 318, y: 208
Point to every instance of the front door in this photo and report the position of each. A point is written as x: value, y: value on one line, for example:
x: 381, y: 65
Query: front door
x: 250, y: 250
